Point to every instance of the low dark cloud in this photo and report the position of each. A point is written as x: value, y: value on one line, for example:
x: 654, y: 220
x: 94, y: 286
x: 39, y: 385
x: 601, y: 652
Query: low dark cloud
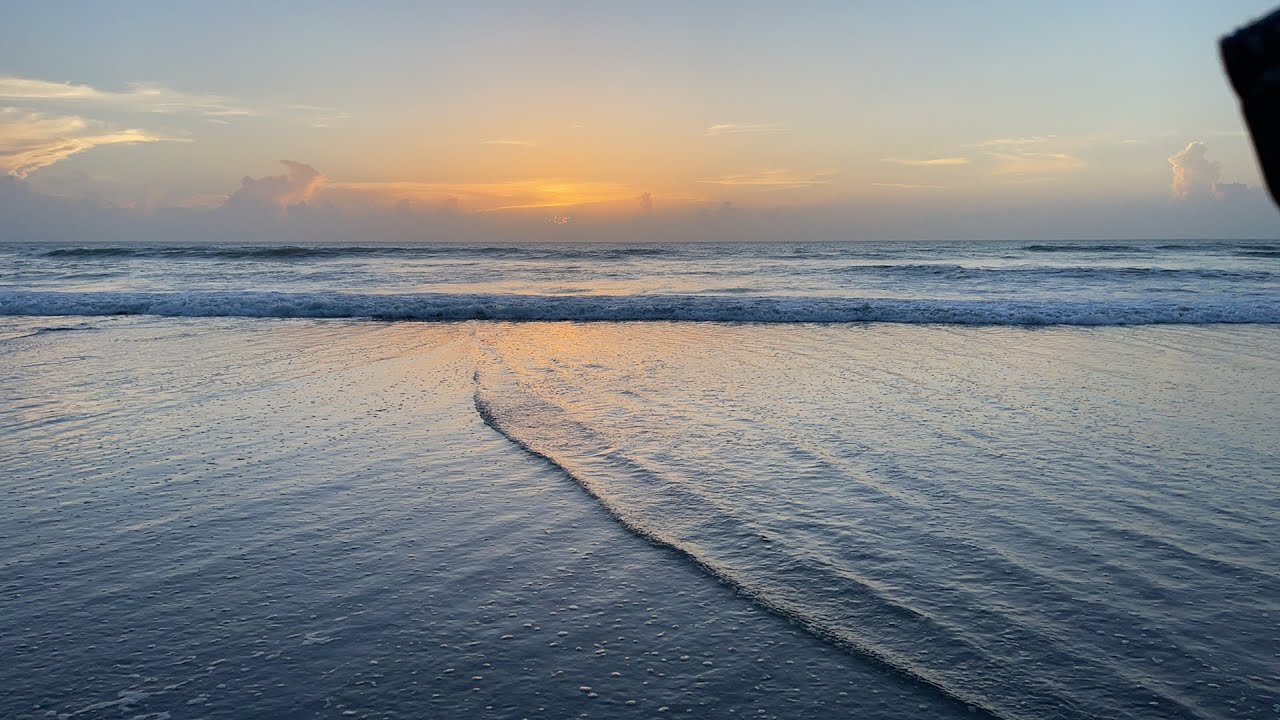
x: 274, y: 193
x: 299, y: 206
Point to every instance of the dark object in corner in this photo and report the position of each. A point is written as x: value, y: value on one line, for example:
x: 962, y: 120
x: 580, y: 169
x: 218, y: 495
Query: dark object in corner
x: 1252, y: 58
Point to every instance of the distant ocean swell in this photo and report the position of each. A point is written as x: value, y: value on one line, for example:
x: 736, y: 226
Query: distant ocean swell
x: 300, y: 252
x: 286, y: 253
x: 705, y: 308
x: 943, y: 271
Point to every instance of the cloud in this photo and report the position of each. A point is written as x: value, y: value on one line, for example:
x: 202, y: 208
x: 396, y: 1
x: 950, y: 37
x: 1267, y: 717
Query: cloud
x: 202, y: 201
x: 276, y: 192
x: 1021, y: 162
x: 930, y: 162
x: 908, y: 186
x: 321, y: 116
x: 142, y: 97
x: 30, y: 141
x: 1195, y: 176
x: 483, y: 197
x: 1016, y: 141
x: 509, y: 141
x: 335, y: 212
x: 775, y: 179
x: 555, y: 193
x: 12, y: 88
x: 1229, y: 191
x: 744, y: 128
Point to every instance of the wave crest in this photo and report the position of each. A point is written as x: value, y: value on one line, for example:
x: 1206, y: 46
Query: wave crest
x: 321, y: 252
x: 670, y: 308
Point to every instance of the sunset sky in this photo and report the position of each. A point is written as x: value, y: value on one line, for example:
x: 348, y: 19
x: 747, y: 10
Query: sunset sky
x: 822, y: 120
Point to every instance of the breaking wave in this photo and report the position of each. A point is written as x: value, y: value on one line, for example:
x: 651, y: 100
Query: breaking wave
x: 670, y: 308
x: 335, y: 252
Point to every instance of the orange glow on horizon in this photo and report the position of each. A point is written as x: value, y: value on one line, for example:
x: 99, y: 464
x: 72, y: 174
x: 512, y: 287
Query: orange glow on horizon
x: 603, y: 197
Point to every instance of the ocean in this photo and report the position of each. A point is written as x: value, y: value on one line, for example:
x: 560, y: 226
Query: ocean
x: 876, y: 480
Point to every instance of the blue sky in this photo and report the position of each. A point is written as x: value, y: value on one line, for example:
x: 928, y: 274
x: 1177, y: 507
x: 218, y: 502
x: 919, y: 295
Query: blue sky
x: 844, y: 118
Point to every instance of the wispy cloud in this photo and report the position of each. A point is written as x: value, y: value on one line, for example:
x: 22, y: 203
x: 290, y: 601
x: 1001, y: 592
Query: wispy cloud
x: 31, y: 89
x: 142, y: 97
x: 908, y: 186
x: 486, y: 197
x: 744, y: 128
x: 773, y: 179
x: 510, y: 141
x: 565, y: 193
x: 929, y: 162
x: 1036, y: 158
x: 321, y: 116
x: 1005, y: 142
x: 30, y: 141
x: 1021, y: 162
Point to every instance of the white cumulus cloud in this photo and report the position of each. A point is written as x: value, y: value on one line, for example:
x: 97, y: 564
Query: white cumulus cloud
x: 1195, y: 176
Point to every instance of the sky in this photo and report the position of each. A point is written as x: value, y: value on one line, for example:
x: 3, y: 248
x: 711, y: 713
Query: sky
x: 194, y: 121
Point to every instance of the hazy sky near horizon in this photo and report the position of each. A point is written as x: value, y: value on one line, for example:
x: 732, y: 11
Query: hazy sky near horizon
x: 842, y: 119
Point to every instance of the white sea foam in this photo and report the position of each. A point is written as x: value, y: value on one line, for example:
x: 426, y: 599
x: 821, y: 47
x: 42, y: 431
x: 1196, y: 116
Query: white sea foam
x: 772, y: 309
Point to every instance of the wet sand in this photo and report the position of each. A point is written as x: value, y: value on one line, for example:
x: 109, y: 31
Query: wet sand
x: 223, y: 518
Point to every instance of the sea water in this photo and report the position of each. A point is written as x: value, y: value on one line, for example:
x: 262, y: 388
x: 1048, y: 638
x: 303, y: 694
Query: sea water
x: 953, y: 283
x: 1022, y: 480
